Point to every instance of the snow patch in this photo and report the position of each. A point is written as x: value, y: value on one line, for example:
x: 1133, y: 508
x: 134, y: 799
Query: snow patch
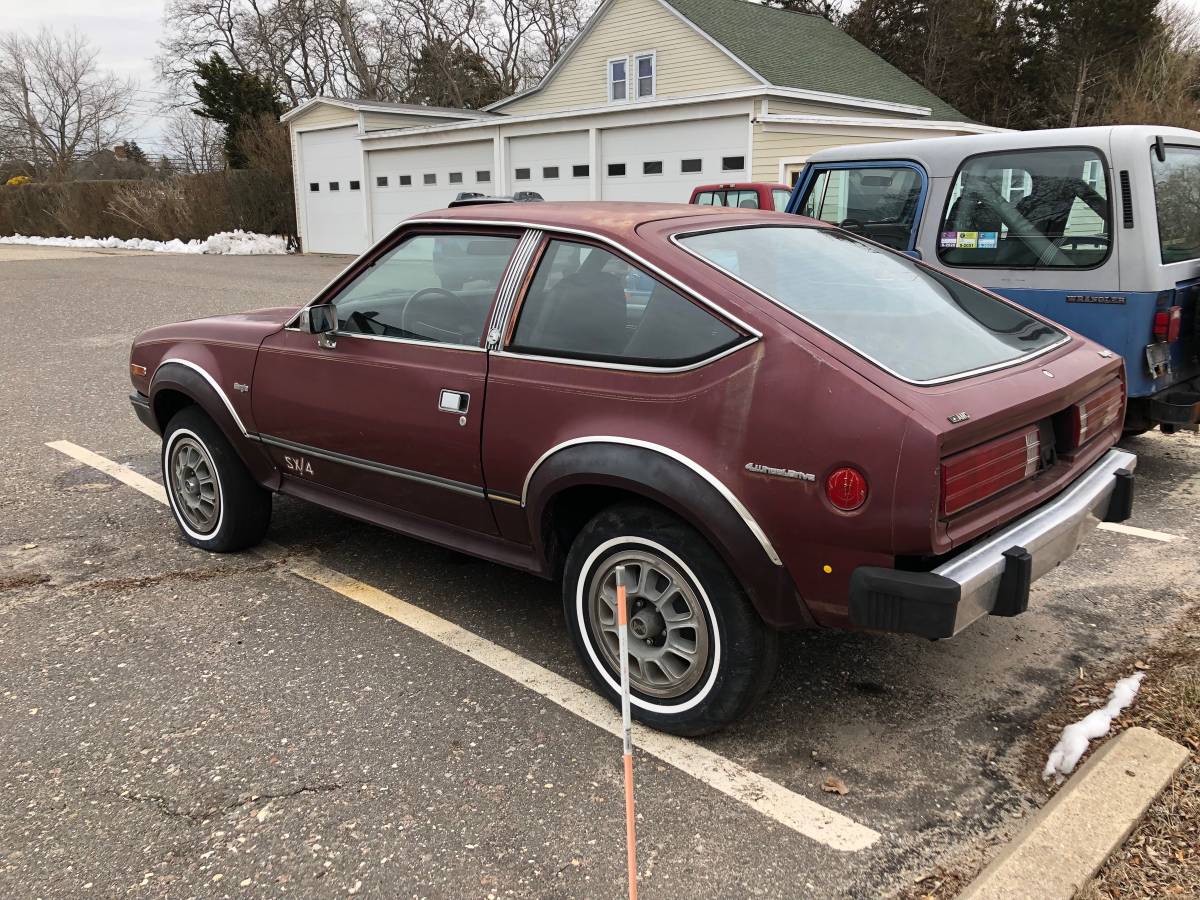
x: 227, y: 243
x: 1073, y: 742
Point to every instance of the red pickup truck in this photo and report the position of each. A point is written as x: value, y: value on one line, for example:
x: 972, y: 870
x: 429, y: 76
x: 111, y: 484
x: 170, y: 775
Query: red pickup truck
x: 743, y: 195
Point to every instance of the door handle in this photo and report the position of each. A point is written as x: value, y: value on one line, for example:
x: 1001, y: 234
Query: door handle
x: 456, y: 402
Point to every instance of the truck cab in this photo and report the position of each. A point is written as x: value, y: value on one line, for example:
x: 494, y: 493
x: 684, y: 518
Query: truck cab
x: 1095, y: 228
x: 743, y: 195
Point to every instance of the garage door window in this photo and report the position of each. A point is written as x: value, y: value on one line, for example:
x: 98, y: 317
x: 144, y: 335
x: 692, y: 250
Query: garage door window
x: 314, y: 186
x: 381, y: 181
x: 581, y: 171
x: 354, y: 185
x: 733, y: 163
x: 333, y: 185
x: 522, y: 174
x: 616, y: 169
x: 550, y: 171
x: 483, y: 175
x: 405, y: 181
x: 430, y: 288
x: 430, y: 179
x: 456, y: 177
x: 652, y: 168
x: 690, y: 165
x: 586, y: 303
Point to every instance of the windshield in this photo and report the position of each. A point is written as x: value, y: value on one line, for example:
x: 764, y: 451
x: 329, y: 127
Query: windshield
x: 913, y: 321
x: 1176, y: 199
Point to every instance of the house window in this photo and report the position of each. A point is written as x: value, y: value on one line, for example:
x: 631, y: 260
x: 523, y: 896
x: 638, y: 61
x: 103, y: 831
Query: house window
x: 549, y: 171
x: 615, y: 169
x: 381, y: 181
x: 522, y: 174
x: 733, y: 163
x: 333, y: 186
x: 456, y: 177
x: 354, y: 185
x: 690, y: 165
x: 314, y: 186
x: 405, y: 180
x: 618, y: 73
x: 580, y: 171
x: 483, y: 175
x: 644, y: 67
x: 429, y: 178
x: 652, y: 168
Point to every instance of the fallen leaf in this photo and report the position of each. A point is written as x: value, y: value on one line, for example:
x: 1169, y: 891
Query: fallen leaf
x: 834, y: 785
x: 1140, y: 665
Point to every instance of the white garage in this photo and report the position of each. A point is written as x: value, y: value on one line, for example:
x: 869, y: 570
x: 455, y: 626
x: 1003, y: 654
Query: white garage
x: 665, y: 161
x: 557, y: 166
x: 330, y: 182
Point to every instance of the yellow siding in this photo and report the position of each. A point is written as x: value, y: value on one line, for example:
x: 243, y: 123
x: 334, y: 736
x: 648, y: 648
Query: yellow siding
x: 686, y: 63
x: 771, y: 146
x: 378, y: 121
x: 778, y: 107
x: 324, y: 114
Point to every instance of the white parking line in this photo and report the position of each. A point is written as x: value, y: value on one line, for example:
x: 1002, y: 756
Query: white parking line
x: 1139, y: 532
x: 786, y: 807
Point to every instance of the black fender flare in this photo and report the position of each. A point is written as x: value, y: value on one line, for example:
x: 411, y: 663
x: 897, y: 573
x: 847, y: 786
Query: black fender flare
x: 193, y: 382
x: 686, y: 489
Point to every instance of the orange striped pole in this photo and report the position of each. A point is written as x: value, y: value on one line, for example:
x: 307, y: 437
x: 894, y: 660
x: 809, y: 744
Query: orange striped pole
x: 623, y: 645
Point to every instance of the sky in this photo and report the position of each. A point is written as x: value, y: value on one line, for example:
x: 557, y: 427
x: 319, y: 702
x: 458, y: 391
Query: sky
x: 126, y: 33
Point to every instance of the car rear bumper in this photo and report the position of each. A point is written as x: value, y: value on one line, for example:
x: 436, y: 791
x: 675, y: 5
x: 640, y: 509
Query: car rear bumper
x: 993, y: 577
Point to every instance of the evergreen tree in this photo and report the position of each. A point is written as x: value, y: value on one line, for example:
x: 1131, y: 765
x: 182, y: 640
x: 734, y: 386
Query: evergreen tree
x: 233, y: 98
x: 135, y: 153
x: 449, y: 74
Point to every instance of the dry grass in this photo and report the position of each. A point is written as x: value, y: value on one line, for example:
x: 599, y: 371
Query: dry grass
x: 1161, y: 858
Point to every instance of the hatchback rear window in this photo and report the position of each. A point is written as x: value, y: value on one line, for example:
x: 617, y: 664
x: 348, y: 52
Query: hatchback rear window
x: 914, y: 322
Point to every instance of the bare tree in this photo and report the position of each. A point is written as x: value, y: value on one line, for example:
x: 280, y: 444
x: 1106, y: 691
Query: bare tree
x: 55, y: 102
x: 195, y: 142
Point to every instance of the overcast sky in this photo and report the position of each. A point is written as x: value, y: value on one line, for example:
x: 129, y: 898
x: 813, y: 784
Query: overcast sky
x: 126, y: 33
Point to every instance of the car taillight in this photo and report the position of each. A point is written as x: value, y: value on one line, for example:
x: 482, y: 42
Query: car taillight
x: 1167, y: 323
x: 846, y: 488
x: 973, y: 475
x: 1094, y: 413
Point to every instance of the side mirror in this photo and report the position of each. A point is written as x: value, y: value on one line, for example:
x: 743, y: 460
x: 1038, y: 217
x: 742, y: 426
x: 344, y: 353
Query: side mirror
x: 320, y: 319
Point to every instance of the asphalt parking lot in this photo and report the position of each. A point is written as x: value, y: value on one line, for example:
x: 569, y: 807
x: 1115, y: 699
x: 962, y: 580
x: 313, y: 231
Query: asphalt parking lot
x: 179, y: 724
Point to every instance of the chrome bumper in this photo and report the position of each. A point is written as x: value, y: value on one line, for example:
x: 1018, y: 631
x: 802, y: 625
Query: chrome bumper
x: 993, y: 577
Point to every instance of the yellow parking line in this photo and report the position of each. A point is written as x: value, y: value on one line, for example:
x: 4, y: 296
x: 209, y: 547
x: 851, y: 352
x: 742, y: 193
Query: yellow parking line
x: 1139, y: 532
x: 786, y: 807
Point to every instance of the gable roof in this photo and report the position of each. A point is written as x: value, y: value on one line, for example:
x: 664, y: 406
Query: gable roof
x: 801, y: 50
x: 785, y: 49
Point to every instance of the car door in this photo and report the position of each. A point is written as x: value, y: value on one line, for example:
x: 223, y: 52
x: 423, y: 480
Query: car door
x: 391, y: 413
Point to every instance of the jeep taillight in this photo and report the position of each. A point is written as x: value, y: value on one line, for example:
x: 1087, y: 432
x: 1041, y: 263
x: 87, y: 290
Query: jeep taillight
x: 1167, y: 323
x: 974, y: 475
x: 1095, y: 413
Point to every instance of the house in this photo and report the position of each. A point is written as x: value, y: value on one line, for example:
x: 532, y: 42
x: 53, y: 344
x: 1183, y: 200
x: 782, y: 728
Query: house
x: 652, y: 98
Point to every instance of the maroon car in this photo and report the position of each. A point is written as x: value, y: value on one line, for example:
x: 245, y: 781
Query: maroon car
x: 790, y: 427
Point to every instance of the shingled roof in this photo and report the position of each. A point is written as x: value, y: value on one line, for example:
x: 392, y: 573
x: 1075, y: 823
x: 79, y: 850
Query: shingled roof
x: 800, y: 50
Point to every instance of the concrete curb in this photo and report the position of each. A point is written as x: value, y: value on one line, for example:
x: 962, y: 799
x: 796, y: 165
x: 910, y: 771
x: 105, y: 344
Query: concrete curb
x: 1069, y: 839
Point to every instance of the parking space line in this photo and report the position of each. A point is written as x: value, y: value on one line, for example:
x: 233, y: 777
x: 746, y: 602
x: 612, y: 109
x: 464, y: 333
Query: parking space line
x: 1139, y: 532
x: 767, y: 797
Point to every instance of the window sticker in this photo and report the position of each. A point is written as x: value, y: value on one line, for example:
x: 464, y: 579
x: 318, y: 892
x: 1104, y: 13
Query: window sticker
x: 968, y: 240
x: 949, y: 239
x: 988, y: 239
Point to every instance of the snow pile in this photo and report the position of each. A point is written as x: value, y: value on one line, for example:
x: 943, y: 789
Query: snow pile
x: 227, y: 243
x: 1075, y: 737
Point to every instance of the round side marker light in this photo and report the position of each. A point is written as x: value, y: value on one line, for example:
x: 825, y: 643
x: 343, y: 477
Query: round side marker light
x: 846, y: 488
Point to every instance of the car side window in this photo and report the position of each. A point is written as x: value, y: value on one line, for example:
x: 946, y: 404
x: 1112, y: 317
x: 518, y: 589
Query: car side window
x: 432, y: 287
x: 589, y: 304
x: 742, y: 199
x: 877, y: 202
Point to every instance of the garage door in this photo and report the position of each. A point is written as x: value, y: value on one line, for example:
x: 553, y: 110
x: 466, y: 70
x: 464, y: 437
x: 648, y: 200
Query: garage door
x: 331, y: 191
x: 414, y: 180
x: 664, y: 162
x: 554, y: 165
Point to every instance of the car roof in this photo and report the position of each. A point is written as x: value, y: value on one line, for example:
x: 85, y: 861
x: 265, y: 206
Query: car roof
x: 614, y: 219
x: 941, y: 155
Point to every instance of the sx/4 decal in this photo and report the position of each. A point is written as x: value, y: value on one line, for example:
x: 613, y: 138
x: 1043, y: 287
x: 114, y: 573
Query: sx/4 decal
x: 298, y: 464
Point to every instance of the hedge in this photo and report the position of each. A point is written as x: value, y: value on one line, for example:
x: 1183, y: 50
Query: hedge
x: 184, y: 207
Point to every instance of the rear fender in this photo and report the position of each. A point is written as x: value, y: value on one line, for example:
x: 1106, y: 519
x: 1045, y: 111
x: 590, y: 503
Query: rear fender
x: 197, y: 384
x: 686, y: 490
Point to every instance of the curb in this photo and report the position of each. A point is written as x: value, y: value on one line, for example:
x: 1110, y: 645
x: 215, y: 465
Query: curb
x: 1067, y: 841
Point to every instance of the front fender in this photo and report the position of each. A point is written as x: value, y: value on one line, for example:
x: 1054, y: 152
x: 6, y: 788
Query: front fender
x: 688, y: 491
x: 183, y: 377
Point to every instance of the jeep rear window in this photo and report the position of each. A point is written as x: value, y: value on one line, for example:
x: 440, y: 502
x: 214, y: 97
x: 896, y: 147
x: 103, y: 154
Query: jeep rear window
x: 1176, y: 189
x: 912, y: 321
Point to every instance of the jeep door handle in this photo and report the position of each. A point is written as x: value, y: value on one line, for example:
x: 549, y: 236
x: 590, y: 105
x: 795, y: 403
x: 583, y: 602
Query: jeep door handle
x: 455, y: 402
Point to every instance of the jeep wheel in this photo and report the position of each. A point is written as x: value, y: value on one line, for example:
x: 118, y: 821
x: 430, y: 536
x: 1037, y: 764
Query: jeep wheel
x: 699, y: 655
x: 217, y: 504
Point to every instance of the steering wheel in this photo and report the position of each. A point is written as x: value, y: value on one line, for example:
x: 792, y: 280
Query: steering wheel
x: 419, y: 296
x: 1072, y: 239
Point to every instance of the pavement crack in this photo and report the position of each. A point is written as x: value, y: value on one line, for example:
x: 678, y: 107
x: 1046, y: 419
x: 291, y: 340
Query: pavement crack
x: 164, y: 805
x: 173, y: 809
